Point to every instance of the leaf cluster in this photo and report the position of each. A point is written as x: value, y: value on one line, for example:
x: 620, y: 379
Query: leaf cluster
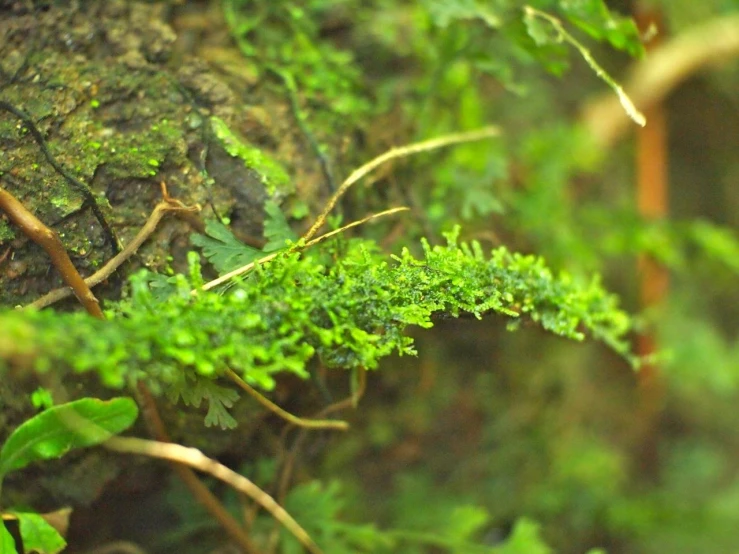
x: 51, y: 434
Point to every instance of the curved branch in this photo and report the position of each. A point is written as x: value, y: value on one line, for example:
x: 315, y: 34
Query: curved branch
x: 653, y: 78
x: 284, y: 414
x: 114, y: 263
x: 195, y: 459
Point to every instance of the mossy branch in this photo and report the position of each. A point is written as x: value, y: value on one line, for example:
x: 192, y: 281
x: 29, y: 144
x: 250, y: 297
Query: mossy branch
x: 344, y: 303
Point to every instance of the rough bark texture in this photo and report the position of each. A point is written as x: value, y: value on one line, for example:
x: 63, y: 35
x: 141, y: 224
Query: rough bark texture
x: 122, y: 105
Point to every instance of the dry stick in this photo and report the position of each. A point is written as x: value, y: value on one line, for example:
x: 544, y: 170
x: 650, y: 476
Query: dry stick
x: 114, y: 263
x: 248, y: 267
x: 201, y: 493
x: 194, y: 458
x: 287, y: 416
x: 117, y: 547
x: 49, y: 241
x: 400, y: 152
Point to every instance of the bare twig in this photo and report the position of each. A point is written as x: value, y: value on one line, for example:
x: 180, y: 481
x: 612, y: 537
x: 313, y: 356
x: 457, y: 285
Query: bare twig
x: 665, y: 67
x: 194, y: 458
x: 284, y: 414
x: 117, y: 547
x: 248, y: 267
x: 400, y: 152
x: 49, y: 241
x: 200, y: 492
x: 168, y: 205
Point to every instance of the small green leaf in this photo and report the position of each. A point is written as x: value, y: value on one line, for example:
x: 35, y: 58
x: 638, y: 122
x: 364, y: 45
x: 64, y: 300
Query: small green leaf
x: 223, y: 249
x: 49, y: 435
x: 464, y: 521
x: 525, y: 539
x: 276, y: 229
x: 594, y: 17
x: 7, y: 543
x: 444, y: 12
x: 37, y: 535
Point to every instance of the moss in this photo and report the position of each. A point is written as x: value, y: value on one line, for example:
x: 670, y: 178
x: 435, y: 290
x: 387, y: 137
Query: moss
x: 6, y: 231
x: 271, y: 173
x: 351, y: 313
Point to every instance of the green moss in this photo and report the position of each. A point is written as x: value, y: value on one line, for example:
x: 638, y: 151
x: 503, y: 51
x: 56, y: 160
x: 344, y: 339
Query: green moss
x: 272, y: 175
x: 6, y: 231
x: 130, y: 154
x: 347, y: 305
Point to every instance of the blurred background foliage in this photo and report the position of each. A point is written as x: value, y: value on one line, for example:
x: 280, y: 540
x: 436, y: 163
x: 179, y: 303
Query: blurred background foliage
x: 490, y: 441
x: 486, y: 428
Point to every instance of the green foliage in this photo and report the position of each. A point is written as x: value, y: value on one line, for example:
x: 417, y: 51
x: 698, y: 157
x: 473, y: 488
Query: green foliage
x: 51, y: 434
x: 7, y: 543
x: 56, y: 431
x: 317, y: 506
x: 226, y: 252
x: 432, y: 67
x: 594, y: 17
x: 346, y: 304
x: 277, y: 231
x: 37, y: 535
x: 525, y: 539
x: 222, y: 249
x: 285, y: 38
x: 219, y: 399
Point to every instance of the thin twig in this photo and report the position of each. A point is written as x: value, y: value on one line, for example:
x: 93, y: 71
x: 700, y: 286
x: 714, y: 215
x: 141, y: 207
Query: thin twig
x: 194, y: 458
x: 284, y: 414
x: 400, y: 152
x: 161, y: 209
x: 653, y: 78
x: 117, y: 547
x: 248, y: 267
x: 49, y: 241
x: 562, y: 34
x: 200, y: 492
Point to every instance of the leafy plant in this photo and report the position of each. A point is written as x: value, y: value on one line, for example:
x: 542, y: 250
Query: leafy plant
x: 51, y: 434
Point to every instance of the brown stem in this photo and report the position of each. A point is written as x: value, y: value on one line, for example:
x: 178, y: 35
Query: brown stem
x: 284, y: 414
x: 201, y: 493
x: 178, y: 454
x: 166, y: 206
x: 652, y: 190
x: 49, y: 241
